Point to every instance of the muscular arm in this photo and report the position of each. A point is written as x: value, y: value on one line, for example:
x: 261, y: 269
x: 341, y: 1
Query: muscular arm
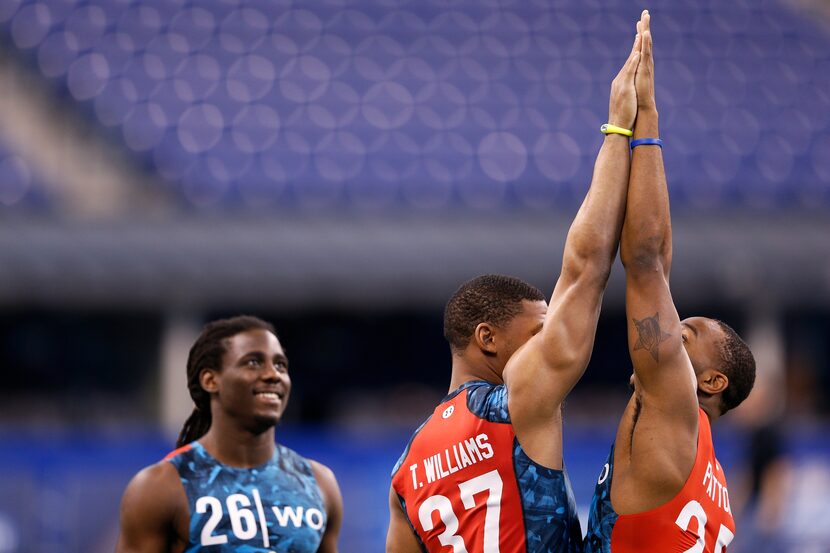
x: 665, y: 382
x: 153, y: 509
x: 546, y: 368
x: 400, y: 538
x: 334, y: 506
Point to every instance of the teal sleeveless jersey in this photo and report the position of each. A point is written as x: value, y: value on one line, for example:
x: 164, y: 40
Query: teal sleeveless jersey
x: 275, y: 507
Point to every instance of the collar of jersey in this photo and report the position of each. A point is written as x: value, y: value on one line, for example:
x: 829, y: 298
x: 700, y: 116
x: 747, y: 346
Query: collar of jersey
x: 217, y: 462
x: 463, y: 387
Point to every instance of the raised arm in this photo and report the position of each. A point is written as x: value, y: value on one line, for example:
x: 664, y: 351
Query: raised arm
x: 541, y: 373
x: 153, y: 512
x: 665, y: 379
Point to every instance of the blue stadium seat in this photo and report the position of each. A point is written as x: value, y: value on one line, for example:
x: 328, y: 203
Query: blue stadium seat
x: 21, y: 190
x: 435, y: 105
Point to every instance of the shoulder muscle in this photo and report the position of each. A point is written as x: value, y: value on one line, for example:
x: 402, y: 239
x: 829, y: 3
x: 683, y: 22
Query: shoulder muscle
x: 153, y: 502
x: 334, y: 505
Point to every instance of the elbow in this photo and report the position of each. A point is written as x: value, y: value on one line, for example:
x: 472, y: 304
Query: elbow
x: 590, y: 270
x: 645, y: 261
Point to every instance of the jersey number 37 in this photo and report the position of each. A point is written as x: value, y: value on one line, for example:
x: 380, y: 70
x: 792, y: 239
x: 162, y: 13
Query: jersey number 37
x: 488, y: 482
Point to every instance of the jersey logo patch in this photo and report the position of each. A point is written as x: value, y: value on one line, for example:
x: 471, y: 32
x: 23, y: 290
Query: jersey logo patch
x: 448, y: 412
x: 606, y: 470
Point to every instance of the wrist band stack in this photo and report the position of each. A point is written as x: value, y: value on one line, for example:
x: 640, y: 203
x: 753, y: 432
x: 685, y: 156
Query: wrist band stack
x: 613, y: 129
x: 646, y: 142
x: 608, y: 128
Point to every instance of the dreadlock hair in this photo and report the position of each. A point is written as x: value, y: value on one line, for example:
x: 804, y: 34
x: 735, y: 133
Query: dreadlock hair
x: 494, y: 299
x: 738, y: 366
x: 207, y: 353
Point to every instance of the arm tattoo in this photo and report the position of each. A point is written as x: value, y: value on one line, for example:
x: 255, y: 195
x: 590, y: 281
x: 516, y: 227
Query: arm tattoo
x: 650, y: 335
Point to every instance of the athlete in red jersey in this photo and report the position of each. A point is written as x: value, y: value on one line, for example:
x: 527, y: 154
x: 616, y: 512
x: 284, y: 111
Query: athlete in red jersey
x: 662, y: 489
x: 467, y: 484
x: 485, y: 473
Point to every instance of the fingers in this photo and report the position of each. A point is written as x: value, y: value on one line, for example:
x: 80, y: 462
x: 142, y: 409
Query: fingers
x: 644, y: 27
x: 630, y: 65
x: 633, y: 61
x: 635, y: 48
x: 644, y: 78
x: 634, y: 58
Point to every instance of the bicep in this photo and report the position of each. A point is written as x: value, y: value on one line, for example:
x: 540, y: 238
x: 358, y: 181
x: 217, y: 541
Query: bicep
x: 542, y: 372
x: 400, y: 538
x: 655, y: 343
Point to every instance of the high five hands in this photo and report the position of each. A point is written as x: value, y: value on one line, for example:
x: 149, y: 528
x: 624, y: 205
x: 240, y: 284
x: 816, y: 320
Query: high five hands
x: 644, y: 79
x: 633, y: 87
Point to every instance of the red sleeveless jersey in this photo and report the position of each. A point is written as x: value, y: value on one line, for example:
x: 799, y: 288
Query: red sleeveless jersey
x: 697, y: 520
x: 466, y: 486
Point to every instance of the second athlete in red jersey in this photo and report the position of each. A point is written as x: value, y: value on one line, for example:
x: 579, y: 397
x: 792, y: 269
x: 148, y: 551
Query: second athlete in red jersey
x: 697, y: 520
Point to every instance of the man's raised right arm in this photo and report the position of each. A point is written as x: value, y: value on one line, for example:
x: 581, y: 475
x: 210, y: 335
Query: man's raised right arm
x: 541, y: 373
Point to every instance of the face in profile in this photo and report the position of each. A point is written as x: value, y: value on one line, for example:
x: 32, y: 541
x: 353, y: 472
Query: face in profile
x: 702, y: 338
x: 521, y: 328
x: 253, y: 385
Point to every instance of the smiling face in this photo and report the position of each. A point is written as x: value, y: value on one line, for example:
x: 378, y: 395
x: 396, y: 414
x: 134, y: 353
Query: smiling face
x: 253, y: 385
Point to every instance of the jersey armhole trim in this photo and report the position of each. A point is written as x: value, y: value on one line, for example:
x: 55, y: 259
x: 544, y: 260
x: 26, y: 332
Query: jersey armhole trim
x: 176, y: 452
x: 411, y: 526
x: 547, y: 471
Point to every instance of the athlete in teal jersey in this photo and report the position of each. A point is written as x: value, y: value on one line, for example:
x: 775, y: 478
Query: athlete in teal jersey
x: 229, y: 487
x: 276, y: 506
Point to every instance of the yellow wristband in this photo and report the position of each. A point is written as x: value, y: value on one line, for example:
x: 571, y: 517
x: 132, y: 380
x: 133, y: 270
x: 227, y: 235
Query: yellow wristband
x: 613, y: 129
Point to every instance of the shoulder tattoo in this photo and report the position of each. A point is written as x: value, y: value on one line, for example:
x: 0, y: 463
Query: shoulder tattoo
x: 650, y: 335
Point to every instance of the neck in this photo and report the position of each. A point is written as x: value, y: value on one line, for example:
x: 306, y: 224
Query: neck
x: 710, y: 408
x: 238, y: 447
x: 465, y: 369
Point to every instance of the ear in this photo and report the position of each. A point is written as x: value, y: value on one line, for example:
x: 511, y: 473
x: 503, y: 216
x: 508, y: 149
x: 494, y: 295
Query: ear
x: 208, y: 380
x: 485, y: 337
x: 712, y: 382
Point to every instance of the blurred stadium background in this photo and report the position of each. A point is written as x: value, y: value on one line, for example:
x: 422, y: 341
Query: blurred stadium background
x: 339, y: 168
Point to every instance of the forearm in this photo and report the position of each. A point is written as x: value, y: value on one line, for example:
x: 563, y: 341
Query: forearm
x: 646, y: 234
x: 595, y: 232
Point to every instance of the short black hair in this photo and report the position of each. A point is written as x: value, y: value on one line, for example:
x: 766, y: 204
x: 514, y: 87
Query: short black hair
x: 738, y: 366
x: 494, y: 299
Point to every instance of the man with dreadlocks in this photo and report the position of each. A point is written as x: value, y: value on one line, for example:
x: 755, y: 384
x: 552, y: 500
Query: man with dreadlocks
x: 229, y: 487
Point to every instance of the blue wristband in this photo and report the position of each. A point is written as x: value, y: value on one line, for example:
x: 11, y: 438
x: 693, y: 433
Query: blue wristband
x: 646, y: 142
